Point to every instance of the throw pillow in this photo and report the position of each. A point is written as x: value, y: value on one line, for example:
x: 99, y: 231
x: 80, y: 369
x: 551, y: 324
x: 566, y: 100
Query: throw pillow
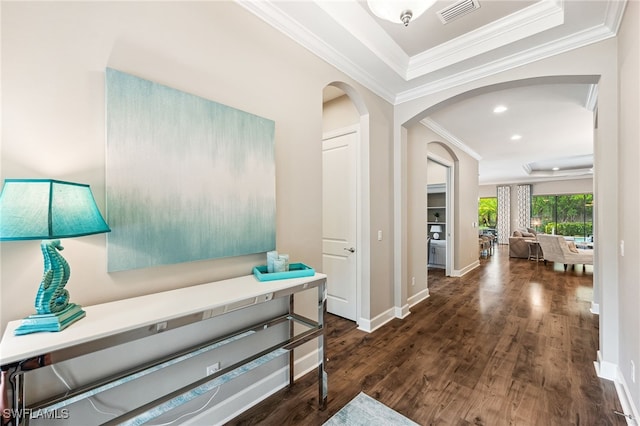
x: 528, y: 234
x: 517, y: 234
x: 572, y: 247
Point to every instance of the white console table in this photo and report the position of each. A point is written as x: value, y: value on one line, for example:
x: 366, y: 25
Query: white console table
x: 105, y: 326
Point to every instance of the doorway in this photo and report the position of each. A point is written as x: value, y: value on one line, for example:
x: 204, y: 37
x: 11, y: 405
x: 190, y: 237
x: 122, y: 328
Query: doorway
x: 345, y: 135
x: 339, y: 221
x: 439, y: 214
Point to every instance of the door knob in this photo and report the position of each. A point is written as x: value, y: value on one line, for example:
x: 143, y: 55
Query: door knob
x: 351, y: 249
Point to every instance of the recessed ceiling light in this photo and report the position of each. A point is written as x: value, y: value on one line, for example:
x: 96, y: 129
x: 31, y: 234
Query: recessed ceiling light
x: 500, y: 108
x: 556, y: 169
x: 516, y: 137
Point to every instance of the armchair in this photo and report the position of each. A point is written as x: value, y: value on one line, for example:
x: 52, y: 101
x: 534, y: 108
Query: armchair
x: 556, y: 249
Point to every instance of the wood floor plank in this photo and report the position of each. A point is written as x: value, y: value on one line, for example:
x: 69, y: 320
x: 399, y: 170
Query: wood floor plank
x: 510, y: 343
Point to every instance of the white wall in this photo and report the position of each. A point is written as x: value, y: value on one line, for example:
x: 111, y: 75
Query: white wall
x: 629, y: 177
x: 436, y: 173
x: 54, y: 58
x: 339, y: 113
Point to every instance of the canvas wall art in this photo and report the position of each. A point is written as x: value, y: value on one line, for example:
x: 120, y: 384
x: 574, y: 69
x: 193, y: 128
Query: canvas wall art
x: 187, y: 178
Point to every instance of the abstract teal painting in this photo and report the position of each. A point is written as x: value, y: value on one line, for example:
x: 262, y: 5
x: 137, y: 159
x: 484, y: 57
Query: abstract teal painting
x: 187, y: 178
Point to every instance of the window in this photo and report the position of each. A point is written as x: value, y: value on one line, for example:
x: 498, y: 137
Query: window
x: 488, y: 212
x: 568, y: 215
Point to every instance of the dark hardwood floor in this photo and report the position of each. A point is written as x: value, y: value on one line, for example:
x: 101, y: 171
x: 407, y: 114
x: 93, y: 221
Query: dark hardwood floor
x: 511, y: 343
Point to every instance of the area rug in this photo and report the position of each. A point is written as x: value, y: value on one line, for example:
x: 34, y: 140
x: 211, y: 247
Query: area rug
x: 366, y: 411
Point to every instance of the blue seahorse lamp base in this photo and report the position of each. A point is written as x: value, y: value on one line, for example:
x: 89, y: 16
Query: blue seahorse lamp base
x: 47, y: 210
x: 53, y: 310
x: 37, y: 323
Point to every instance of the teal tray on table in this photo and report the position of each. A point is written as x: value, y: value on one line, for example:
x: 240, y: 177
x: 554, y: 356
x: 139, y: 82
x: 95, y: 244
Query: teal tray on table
x: 296, y: 270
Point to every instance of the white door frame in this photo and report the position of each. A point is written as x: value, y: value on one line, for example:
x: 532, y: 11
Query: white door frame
x: 360, y: 248
x: 449, y: 219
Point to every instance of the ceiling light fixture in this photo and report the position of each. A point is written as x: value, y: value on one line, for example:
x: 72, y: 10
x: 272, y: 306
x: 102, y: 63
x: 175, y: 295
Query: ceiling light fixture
x: 555, y: 169
x: 500, y: 108
x: 399, y: 11
x: 516, y: 137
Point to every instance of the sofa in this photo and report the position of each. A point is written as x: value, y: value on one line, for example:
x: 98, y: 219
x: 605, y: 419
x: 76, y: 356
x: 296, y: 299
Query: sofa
x: 518, y: 242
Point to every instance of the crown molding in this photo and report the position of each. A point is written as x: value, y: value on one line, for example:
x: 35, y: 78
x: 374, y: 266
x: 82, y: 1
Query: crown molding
x: 581, y: 39
x: 531, y: 20
x: 353, y: 18
x: 274, y: 16
x: 614, y: 13
x: 449, y: 137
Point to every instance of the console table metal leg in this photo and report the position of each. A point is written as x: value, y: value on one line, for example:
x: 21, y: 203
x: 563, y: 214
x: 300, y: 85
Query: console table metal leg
x: 12, y: 399
x: 322, y: 374
x: 291, y: 334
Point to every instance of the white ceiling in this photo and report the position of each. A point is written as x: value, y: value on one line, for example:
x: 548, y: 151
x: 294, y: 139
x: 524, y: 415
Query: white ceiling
x: 403, y: 63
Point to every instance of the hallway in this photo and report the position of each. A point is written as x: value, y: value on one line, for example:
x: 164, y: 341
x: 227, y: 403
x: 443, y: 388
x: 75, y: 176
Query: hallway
x: 511, y: 343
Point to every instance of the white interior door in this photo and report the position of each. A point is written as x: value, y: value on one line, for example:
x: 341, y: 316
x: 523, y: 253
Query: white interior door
x: 339, y: 223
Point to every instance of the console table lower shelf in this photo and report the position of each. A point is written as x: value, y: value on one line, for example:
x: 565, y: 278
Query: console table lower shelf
x: 21, y: 354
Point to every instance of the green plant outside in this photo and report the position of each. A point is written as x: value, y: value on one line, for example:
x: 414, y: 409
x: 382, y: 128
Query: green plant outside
x: 568, y: 228
x: 488, y: 212
x: 569, y: 215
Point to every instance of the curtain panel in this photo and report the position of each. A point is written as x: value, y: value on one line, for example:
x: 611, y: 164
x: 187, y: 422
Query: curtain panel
x: 504, y: 214
x: 523, y: 194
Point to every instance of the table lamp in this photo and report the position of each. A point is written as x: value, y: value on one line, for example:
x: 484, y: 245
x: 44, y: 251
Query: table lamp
x: 34, y: 209
x: 435, y: 229
x: 536, y: 221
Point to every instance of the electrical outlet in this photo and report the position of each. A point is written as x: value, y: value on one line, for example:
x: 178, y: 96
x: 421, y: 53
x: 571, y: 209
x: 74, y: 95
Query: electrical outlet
x: 213, y: 368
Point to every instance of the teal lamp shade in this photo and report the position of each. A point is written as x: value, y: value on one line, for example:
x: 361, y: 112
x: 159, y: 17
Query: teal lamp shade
x: 36, y: 209
x: 46, y: 209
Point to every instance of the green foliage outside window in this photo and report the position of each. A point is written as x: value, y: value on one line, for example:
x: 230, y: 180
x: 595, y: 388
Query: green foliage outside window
x: 488, y: 212
x: 569, y: 215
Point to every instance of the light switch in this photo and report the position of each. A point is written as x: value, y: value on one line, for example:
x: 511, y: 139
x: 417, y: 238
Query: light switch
x: 380, y: 235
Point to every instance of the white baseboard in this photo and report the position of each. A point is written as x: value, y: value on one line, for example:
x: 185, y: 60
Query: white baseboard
x: 465, y: 270
x: 626, y: 401
x: 380, y: 320
x: 606, y: 370
x: 395, y: 312
x: 242, y: 401
x: 611, y: 371
x: 401, y: 312
x: 419, y: 297
x: 306, y: 364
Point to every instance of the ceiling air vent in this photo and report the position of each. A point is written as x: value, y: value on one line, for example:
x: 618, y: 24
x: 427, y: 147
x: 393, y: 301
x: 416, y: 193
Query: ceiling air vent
x: 457, y: 10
